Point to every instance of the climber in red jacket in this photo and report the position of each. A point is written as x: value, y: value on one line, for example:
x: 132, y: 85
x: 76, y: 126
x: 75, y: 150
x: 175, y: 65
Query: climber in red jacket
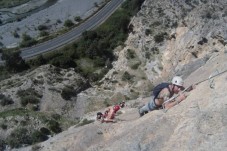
x: 109, y: 114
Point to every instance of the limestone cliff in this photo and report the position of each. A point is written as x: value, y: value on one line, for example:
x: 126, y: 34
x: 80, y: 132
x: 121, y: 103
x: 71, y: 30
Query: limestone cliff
x: 167, y: 38
x: 197, y: 123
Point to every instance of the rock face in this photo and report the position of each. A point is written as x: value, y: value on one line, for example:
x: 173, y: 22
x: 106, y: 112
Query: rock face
x: 197, y: 123
x: 186, y: 38
x: 48, y: 82
x: 167, y: 38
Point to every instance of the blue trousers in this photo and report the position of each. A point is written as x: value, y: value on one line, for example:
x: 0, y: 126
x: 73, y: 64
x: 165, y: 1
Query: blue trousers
x: 150, y: 106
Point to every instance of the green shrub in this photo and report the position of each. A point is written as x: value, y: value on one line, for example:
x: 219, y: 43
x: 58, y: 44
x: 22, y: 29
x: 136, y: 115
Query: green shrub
x: 156, y: 23
x: 38, y: 136
x: 45, y: 131
x: 136, y: 65
x: 16, y: 35
x: 148, y: 55
x: 11, y: 3
x: 77, y: 19
x: 27, y: 41
x: 14, y: 62
x: 148, y: 32
x: 155, y: 50
x: 130, y: 54
x: 18, y: 138
x: 43, y: 34
x: 126, y: 76
x: 2, y: 145
x: 5, y: 100
x: 29, y: 99
x: 160, y: 37
x: 67, y: 92
x: 3, y: 126
x: 59, y: 21
x: 29, y: 95
x: 54, y: 126
x: 42, y: 27
x: 68, y: 23
x: 28, y: 92
x: 2, y: 96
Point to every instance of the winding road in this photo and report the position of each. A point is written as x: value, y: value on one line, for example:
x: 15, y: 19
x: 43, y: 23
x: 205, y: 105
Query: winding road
x: 74, y: 34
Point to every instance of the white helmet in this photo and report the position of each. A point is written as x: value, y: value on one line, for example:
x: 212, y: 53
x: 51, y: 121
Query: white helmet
x: 178, y: 81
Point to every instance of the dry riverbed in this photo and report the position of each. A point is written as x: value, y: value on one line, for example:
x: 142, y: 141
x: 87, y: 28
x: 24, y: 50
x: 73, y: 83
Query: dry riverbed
x: 53, y: 17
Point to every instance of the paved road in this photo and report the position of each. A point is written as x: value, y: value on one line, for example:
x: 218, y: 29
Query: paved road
x: 72, y: 35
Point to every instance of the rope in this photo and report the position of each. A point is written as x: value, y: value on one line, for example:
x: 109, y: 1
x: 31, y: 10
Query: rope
x: 173, y: 98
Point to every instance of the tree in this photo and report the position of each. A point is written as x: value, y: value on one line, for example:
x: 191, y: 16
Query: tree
x: 77, y: 19
x: 13, y: 61
x: 68, y: 23
x: 27, y: 41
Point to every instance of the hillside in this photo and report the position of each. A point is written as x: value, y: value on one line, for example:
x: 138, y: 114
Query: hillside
x: 198, y: 123
x: 167, y: 38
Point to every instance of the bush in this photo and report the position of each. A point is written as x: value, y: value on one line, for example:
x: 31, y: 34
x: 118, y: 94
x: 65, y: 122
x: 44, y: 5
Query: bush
x: 6, y: 101
x: 2, y: 145
x: 18, y: 138
x: 148, y: 32
x: 38, y: 61
x: 59, y: 21
x: 43, y: 34
x: 1, y: 44
x: 56, y: 116
x: 29, y: 99
x: 27, y: 41
x: 160, y: 37
x: 3, y: 126
x: 13, y: 61
x: 29, y: 95
x: 68, y: 23
x: 45, y: 131
x: 130, y: 54
x: 126, y: 76
x: 54, y: 126
x: 136, y: 65
x: 27, y: 92
x: 155, y: 50
x: 148, y: 55
x: 42, y: 27
x: 38, y: 136
x: 77, y: 19
x: 16, y: 35
x: 67, y: 92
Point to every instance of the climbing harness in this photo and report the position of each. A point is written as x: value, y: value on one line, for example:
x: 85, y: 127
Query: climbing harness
x: 211, y: 81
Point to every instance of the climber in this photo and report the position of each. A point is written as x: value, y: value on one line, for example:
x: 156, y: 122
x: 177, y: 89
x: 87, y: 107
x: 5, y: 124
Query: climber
x: 122, y: 104
x: 109, y: 114
x: 163, y: 92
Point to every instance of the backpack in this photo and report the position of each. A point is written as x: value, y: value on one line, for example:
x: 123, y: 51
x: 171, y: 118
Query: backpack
x: 158, y: 89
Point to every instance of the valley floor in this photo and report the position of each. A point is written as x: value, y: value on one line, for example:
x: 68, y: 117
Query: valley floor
x: 53, y: 17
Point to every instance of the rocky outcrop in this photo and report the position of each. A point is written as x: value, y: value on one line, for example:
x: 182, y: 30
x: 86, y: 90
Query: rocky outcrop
x: 167, y: 38
x: 49, y: 83
x: 197, y: 123
x: 186, y: 38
